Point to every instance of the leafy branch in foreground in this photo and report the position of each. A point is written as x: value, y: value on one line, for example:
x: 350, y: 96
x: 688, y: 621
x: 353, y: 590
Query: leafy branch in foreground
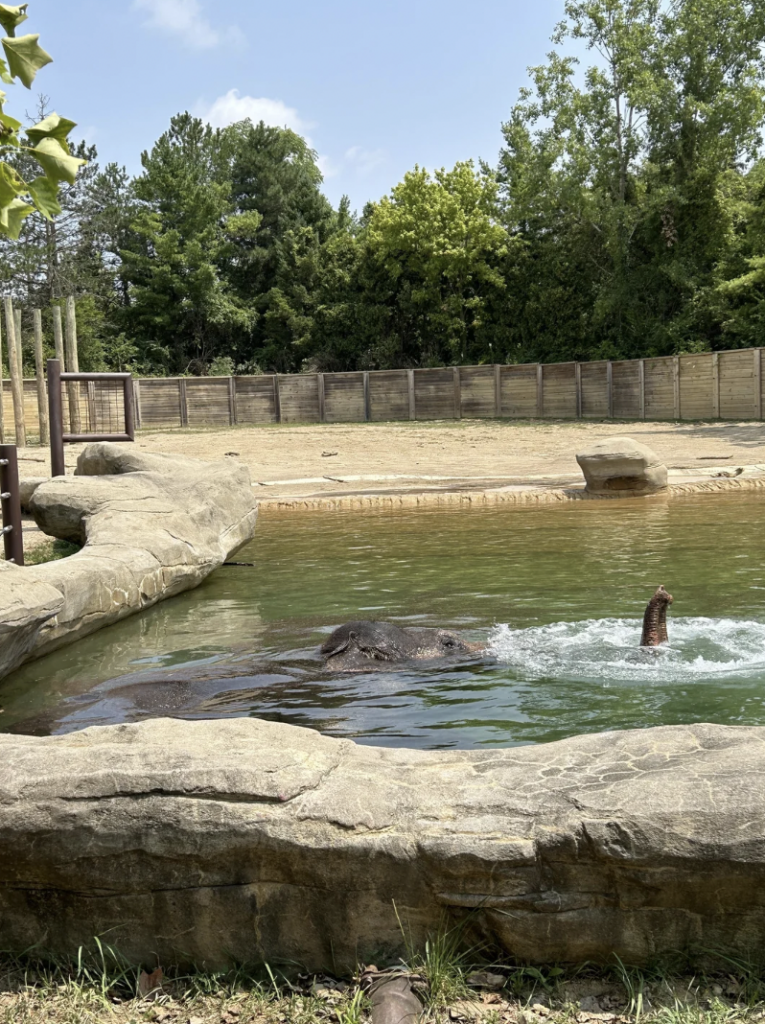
x: 46, y: 141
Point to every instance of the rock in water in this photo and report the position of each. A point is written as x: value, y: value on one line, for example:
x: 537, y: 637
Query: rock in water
x: 621, y: 465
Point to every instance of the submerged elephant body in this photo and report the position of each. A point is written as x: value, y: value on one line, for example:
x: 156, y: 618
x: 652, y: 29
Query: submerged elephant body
x: 363, y: 645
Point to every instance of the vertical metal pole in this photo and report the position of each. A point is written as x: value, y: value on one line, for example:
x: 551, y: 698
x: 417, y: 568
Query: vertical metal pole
x: 56, y: 416
x: 42, y: 398
x: 129, y: 406
x: 13, y: 539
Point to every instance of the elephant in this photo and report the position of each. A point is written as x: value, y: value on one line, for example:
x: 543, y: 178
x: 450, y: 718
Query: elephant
x: 655, y: 619
x: 361, y: 646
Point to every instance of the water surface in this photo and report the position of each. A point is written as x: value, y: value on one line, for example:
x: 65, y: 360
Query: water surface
x: 556, y: 592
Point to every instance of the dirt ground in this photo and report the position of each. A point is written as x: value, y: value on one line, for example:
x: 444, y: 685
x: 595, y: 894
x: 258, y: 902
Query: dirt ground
x: 319, y: 459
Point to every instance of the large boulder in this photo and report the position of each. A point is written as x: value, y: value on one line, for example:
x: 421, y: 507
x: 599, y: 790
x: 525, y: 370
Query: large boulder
x: 209, y: 842
x: 151, y: 526
x: 621, y: 465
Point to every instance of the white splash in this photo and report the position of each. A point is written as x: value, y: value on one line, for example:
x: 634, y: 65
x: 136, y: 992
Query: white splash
x: 608, y: 650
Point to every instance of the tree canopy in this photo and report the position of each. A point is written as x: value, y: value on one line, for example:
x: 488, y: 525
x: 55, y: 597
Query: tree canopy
x: 624, y: 217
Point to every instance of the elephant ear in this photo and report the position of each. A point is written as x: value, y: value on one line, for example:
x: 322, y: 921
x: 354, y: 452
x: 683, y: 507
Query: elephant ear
x: 338, y: 642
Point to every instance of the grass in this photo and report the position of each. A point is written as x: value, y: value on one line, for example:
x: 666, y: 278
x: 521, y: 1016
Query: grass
x: 49, y: 551
x: 101, y: 987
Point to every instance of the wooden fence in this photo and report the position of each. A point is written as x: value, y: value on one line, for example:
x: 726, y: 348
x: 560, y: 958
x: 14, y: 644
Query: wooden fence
x: 719, y: 385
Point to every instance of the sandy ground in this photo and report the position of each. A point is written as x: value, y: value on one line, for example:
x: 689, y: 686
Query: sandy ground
x: 299, y: 462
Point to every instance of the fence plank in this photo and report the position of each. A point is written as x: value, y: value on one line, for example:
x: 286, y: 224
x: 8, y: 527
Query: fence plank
x: 477, y: 394
x: 389, y: 395
x: 344, y: 397
x: 412, y: 398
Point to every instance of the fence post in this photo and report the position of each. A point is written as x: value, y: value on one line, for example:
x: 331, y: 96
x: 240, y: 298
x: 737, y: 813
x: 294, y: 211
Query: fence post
x: 641, y: 375
x: 367, y: 398
x: 456, y: 393
x: 610, y: 388
x: 412, y: 405
x: 183, y: 402
x: 676, y: 385
x: 277, y: 398
x: 540, y: 391
x: 58, y: 337
x: 320, y: 392
x: 42, y: 398
x: 72, y: 366
x: 757, y: 382
x: 15, y: 370
x: 137, y: 401
x: 578, y: 382
x: 715, y: 385
x: 232, y: 401
x: 13, y: 538
x: 56, y: 417
x: 497, y: 391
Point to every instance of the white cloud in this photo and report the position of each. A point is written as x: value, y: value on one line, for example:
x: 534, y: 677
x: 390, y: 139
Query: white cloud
x: 185, y: 20
x: 365, y: 160
x: 232, y: 107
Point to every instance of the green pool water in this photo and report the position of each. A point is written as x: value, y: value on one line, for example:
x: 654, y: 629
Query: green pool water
x: 557, y: 593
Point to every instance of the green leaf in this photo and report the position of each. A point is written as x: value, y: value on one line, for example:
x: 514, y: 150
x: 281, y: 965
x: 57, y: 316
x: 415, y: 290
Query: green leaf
x: 12, y: 17
x: 12, y: 215
x: 11, y: 184
x: 44, y: 195
x: 5, y: 74
x: 52, y: 127
x: 56, y: 161
x: 25, y: 57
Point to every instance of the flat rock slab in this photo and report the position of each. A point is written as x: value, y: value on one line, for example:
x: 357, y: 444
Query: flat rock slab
x: 622, y: 465
x: 207, y: 842
x: 151, y: 525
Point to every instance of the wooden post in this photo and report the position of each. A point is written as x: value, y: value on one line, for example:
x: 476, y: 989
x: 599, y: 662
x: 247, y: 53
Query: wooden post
x: 412, y: 404
x: 277, y: 399
x: 320, y: 389
x: 42, y: 396
x: 72, y: 366
x: 232, y: 401
x: 641, y: 375
x: 758, y: 383
x: 2, y: 392
x: 183, y: 402
x: 16, y: 381
x: 457, y: 393
x: 90, y: 389
x: 676, y: 385
x: 367, y: 398
x: 610, y: 388
x: 137, y: 401
x: 578, y: 380
x: 716, y: 385
x: 497, y: 391
x: 540, y: 390
x: 56, y: 412
x: 19, y: 345
x: 58, y: 338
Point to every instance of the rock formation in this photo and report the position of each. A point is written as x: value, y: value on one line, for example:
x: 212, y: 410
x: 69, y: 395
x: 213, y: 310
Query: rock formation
x: 621, y: 465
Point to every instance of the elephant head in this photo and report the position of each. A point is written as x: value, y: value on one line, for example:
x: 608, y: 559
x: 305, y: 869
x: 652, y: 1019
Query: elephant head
x: 361, y: 646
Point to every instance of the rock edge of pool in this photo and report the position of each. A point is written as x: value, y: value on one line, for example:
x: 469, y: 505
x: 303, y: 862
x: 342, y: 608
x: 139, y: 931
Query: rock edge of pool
x: 244, y: 840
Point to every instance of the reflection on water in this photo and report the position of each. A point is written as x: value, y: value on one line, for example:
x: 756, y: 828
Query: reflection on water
x: 556, y: 593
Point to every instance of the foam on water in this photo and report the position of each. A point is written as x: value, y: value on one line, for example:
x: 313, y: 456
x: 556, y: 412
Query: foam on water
x: 608, y: 650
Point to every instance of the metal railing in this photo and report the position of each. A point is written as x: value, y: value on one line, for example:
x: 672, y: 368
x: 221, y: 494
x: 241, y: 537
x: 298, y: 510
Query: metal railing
x: 58, y: 437
x: 13, y: 540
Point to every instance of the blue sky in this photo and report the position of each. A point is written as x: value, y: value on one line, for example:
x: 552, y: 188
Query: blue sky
x: 376, y: 87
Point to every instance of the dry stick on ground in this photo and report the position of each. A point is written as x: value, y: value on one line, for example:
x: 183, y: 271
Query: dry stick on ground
x: 72, y: 366
x: 42, y: 395
x: 15, y: 369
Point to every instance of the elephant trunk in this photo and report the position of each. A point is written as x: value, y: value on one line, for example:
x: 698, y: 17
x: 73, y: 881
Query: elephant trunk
x: 655, y: 619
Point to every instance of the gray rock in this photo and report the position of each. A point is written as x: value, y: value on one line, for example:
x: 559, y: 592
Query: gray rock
x: 27, y: 487
x: 210, y: 841
x: 621, y: 465
x: 154, y: 526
